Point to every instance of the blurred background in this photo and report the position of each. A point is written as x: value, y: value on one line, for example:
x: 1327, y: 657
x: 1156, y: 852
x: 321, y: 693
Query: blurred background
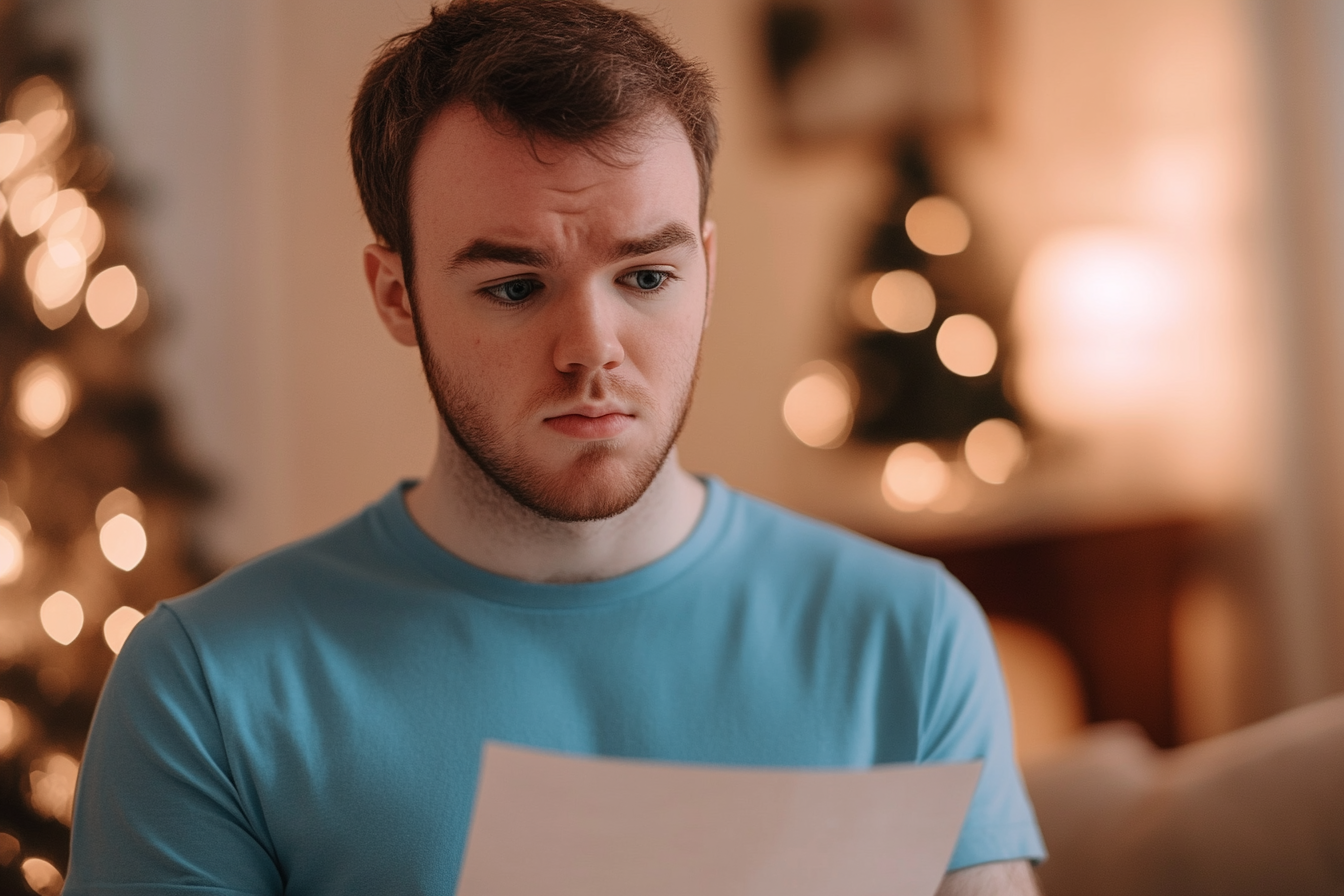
x: 1048, y: 290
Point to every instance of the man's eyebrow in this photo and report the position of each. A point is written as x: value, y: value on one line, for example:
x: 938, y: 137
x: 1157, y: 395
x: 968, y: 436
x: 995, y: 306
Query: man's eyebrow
x: 666, y: 237
x: 487, y: 251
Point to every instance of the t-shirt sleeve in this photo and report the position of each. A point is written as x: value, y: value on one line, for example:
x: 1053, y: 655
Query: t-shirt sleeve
x: 157, y: 810
x: 964, y: 716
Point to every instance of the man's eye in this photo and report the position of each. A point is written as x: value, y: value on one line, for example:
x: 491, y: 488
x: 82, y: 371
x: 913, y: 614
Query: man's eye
x: 514, y: 290
x: 647, y: 280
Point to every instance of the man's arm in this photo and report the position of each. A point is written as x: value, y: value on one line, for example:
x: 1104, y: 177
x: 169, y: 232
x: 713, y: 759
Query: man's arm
x: 991, y: 879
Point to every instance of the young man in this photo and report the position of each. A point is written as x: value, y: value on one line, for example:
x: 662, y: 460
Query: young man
x: 536, y: 175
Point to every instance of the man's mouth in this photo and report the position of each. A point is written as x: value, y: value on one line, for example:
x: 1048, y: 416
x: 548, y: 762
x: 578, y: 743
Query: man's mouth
x: 591, y: 423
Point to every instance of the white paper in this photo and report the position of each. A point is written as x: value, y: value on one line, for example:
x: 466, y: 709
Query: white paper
x: 551, y: 824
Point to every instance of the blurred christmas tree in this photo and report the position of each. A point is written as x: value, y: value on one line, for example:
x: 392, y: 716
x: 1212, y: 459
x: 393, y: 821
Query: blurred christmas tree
x: 94, y: 498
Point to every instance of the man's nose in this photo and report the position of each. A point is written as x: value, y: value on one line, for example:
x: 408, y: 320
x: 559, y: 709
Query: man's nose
x: 587, y: 337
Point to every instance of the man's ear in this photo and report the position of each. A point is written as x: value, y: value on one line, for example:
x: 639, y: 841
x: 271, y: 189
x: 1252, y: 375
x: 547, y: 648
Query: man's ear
x: 387, y: 282
x: 708, y: 232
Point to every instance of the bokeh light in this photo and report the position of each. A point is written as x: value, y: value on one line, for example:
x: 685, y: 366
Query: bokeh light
x: 119, y: 500
x: 994, y: 450
x: 967, y: 345
x: 117, y: 627
x: 111, y: 296
x: 1099, y: 316
x: 56, y: 205
x: 903, y: 301
x: 62, y: 617
x: 938, y: 226
x: 79, y: 226
x: 50, y: 129
x: 11, y: 553
x: 9, y: 726
x: 26, y: 201
x: 42, y: 876
x: 44, y: 397
x: 17, y: 147
x: 34, y: 96
x: 55, y: 277
x: 818, y: 408
x: 914, y: 476
x: 123, y: 541
x: 52, y: 786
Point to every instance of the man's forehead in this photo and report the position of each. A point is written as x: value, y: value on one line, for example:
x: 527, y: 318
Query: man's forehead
x: 463, y: 151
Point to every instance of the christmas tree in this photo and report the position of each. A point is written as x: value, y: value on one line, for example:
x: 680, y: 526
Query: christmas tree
x: 94, y: 497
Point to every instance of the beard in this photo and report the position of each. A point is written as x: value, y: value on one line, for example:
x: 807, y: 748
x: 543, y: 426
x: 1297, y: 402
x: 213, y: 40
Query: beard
x: 600, y: 482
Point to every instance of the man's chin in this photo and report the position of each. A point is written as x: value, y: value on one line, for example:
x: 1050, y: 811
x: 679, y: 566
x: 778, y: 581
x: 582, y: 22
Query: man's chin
x: 593, y: 487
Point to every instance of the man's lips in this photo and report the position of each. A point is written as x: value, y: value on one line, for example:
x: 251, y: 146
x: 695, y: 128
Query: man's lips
x: 595, y: 425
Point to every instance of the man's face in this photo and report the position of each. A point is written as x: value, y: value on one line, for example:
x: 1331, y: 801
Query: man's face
x: 560, y: 301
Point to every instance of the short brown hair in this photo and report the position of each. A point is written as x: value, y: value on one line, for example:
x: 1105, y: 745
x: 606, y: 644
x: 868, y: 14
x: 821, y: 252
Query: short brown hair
x: 573, y: 70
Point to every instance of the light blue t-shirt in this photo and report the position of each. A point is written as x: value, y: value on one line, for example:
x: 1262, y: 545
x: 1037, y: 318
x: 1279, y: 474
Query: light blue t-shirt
x: 312, y: 722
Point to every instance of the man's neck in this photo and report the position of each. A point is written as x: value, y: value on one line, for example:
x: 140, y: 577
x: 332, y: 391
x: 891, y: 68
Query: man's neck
x: 467, y: 514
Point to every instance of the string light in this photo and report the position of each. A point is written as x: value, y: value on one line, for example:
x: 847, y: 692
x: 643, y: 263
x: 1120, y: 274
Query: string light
x: 49, y: 129
x: 111, y: 296
x: 914, y: 476
x: 123, y: 541
x: 818, y: 408
x: 994, y: 450
x: 55, y: 277
x: 62, y: 617
x: 55, y: 206
x: 11, y: 553
x: 44, y: 397
x: 25, y: 201
x: 80, y: 227
x: 117, y: 627
x: 967, y: 345
x: 17, y: 147
x: 52, y: 786
x: 42, y: 876
x: 938, y: 226
x: 903, y: 301
x: 9, y: 726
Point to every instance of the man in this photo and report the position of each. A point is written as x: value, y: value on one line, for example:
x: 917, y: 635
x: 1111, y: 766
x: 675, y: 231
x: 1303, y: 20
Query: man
x: 536, y: 175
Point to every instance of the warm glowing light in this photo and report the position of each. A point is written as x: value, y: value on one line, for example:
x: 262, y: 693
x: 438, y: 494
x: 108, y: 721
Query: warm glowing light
x: 123, y: 541
x: 55, y: 277
x: 861, y: 302
x: 62, y: 617
x: 818, y: 408
x: 967, y: 345
x: 11, y: 553
x: 52, y: 786
x: 48, y: 128
x: 56, y: 205
x: 9, y: 726
x: 119, y: 500
x: 938, y: 226
x: 118, y: 625
x: 995, y: 449
x: 80, y: 227
x: 26, y: 200
x: 903, y: 301
x: 17, y: 147
x: 1100, y: 316
x: 110, y: 298
x: 914, y: 476
x: 43, y: 397
x: 42, y: 876
x: 36, y: 95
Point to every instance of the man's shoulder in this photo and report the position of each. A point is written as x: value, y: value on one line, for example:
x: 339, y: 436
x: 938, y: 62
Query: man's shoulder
x: 792, y: 546
x: 323, y: 568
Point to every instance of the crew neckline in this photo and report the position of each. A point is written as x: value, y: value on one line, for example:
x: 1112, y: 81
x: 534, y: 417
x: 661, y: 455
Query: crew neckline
x: 393, y: 522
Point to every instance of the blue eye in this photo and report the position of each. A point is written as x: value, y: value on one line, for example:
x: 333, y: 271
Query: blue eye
x: 649, y: 281
x: 514, y: 291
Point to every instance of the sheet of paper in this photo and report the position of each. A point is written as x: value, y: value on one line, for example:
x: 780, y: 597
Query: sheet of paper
x: 550, y: 824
